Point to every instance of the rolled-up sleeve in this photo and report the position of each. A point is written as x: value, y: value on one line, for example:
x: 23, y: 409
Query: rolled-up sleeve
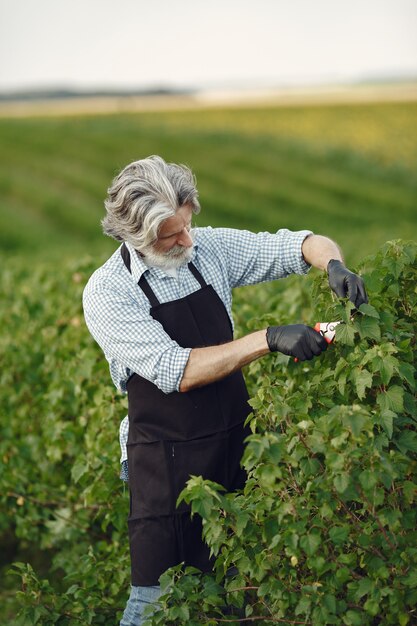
x: 128, y: 334
x: 257, y: 257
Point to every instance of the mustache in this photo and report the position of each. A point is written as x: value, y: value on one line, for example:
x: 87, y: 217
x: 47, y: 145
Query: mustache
x: 178, y: 251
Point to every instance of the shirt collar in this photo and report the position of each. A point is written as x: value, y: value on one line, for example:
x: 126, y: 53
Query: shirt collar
x: 138, y: 267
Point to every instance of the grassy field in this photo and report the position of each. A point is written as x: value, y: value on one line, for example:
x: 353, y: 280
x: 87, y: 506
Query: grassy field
x: 348, y: 171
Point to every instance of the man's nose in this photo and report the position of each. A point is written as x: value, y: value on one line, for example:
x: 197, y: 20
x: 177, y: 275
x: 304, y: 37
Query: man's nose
x: 185, y: 239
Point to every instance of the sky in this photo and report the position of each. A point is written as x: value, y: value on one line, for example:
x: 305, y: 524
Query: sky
x: 90, y: 44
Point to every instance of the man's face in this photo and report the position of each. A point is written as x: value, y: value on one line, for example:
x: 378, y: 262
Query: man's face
x: 174, y: 245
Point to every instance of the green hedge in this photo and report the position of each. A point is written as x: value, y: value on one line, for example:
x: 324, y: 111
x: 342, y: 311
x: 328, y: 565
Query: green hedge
x: 325, y: 529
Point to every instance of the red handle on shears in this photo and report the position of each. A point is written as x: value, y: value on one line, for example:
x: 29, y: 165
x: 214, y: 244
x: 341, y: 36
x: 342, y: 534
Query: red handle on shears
x: 327, y: 330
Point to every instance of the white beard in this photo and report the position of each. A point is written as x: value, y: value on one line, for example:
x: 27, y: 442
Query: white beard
x: 174, y: 258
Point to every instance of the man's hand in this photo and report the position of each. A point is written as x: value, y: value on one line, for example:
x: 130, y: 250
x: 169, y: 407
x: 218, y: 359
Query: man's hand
x: 296, y: 340
x: 346, y: 284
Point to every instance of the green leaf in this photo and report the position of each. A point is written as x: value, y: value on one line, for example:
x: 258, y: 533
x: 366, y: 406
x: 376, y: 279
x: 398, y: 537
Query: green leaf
x: 371, y: 606
x: 410, y: 252
x: 411, y: 579
x: 330, y: 602
x: 353, y: 618
x: 304, y: 606
x: 326, y: 511
x: 345, y: 334
x: 387, y: 420
x: 318, y: 564
x: 387, y: 366
x: 387, y: 320
x: 340, y: 367
x: 362, y: 380
x: 374, y: 281
x: 357, y: 423
x: 407, y: 372
x: 181, y: 612
x: 410, y: 405
x: 365, y: 585
x: 342, y: 383
x: 339, y: 534
x: 368, y: 479
x: 241, y: 522
x: 391, y: 399
x: 310, y: 466
x: 369, y: 310
x: 320, y: 615
x: 375, y: 565
x: 79, y: 469
x: 341, y: 482
x: 394, y: 266
x: 343, y: 574
x: 407, y: 441
x: 211, y: 588
x: 369, y: 328
x: 410, y: 493
x: 275, y: 452
x: 309, y: 543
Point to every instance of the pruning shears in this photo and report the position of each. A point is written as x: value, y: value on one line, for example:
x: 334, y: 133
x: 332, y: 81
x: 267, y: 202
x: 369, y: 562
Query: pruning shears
x: 326, y: 330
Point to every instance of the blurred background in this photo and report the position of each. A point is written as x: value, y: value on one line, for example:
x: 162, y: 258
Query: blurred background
x: 291, y: 114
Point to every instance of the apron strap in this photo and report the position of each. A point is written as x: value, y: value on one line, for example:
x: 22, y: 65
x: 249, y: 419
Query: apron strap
x: 197, y: 274
x: 142, y: 283
x: 147, y: 290
x: 125, y: 256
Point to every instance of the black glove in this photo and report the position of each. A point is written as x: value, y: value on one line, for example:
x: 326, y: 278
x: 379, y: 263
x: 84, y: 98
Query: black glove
x: 296, y: 340
x: 345, y: 283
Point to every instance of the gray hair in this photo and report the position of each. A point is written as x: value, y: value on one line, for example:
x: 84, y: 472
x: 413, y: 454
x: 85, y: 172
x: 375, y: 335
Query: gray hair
x: 143, y: 195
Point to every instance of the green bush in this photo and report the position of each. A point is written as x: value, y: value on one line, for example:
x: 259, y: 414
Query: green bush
x: 324, y: 531
x: 61, y: 496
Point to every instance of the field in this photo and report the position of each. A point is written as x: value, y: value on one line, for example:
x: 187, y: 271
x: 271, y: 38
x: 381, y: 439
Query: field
x: 348, y: 172
x: 345, y: 171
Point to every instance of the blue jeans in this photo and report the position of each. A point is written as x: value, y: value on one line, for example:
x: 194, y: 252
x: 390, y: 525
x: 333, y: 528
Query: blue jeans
x: 139, y: 598
x: 144, y: 596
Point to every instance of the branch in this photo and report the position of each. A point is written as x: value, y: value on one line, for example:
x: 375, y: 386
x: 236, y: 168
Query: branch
x: 241, y: 589
x: 378, y: 521
x: 275, y: 620
x: 53, y: 503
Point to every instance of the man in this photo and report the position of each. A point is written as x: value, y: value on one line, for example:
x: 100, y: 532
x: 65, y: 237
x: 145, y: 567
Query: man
x: 160, y: 308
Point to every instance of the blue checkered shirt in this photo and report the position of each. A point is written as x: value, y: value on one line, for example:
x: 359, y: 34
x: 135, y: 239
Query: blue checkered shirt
x: 117, y: 311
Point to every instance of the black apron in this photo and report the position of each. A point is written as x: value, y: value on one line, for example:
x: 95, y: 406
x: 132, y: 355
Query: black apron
x: 173, y: 435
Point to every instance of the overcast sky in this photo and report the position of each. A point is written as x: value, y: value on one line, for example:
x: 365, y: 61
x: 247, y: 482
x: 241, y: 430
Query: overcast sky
x: 185, y: 43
